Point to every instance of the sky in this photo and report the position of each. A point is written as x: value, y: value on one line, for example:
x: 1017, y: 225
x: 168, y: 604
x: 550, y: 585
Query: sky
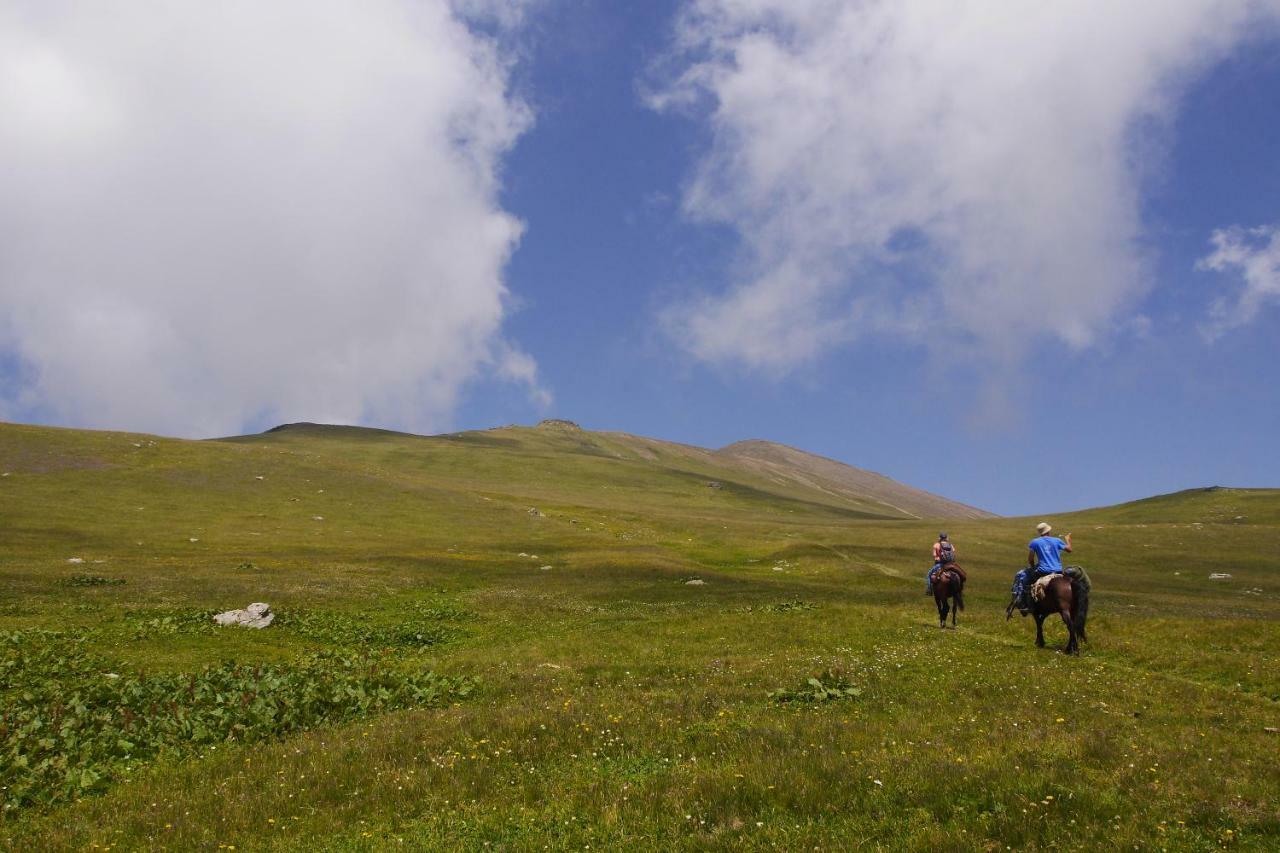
x: 1027, y: 257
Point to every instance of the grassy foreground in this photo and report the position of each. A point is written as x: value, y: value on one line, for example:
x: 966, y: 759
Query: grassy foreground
x: 491, y: 640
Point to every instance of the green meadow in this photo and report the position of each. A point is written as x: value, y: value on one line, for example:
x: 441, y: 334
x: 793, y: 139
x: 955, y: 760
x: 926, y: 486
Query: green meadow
x: 539, y: 638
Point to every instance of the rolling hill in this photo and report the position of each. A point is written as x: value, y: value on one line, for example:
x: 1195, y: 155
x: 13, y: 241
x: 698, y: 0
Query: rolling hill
x: 486, y: 459
x: 544, y: 637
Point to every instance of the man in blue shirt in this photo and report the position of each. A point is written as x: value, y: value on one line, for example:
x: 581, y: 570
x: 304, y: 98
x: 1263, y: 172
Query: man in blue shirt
x: 1044, y: 557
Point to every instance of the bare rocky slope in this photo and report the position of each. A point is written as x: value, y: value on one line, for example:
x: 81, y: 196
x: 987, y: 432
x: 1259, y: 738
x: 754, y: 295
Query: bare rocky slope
x: 782, y: 463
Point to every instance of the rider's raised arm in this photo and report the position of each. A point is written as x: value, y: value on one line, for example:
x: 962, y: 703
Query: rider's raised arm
x: 1067, y: 539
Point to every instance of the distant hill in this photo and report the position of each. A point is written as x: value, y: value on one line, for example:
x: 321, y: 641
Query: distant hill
x: 762, y: 467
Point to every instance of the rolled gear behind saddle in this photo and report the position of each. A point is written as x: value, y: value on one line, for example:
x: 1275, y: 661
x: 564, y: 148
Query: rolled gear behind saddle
x: 1078, y: 575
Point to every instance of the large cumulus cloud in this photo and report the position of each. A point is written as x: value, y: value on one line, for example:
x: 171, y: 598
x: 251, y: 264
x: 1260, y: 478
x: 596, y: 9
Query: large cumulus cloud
x: 216, y: 214
x: 890, y: 161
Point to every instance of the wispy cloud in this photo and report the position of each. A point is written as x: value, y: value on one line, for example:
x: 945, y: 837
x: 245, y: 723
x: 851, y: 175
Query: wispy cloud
x: 884, y: 160
x: 1253, y: 253
x: 215, y: 213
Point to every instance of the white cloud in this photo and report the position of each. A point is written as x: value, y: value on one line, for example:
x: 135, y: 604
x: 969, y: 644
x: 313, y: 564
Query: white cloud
x: 216, y: 213
x: 1255, y: 254
x: 884, y: 160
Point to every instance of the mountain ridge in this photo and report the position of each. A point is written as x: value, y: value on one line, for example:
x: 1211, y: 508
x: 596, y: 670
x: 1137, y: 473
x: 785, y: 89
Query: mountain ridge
x: 758, y: 462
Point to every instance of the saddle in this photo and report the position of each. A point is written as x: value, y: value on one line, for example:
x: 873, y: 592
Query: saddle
x: 952, y: 568
x: 1040, y: 587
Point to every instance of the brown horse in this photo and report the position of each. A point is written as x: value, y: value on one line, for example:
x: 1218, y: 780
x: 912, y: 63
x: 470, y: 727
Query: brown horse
x: 948, y: 583
x: 1068, y: 596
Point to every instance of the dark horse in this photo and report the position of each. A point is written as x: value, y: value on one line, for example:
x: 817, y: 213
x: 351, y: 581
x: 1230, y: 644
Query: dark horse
x: 948, y: 583
x: 1068, y: 596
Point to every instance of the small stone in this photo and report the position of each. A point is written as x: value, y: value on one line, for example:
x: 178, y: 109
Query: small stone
x: 1219, y: 576
x: 695, y: 582
x: 317, y: 518
x: 545, y: 568
x: 259, y: 477
x: 194, y: 539
x: 76, y: 560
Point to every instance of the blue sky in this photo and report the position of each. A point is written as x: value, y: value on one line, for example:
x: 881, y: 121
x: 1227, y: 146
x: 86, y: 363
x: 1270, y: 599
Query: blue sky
x: 992, y: 275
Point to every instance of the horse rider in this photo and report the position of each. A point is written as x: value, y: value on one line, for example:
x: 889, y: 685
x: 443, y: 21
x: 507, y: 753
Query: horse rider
x: 943, y: 552
x: 1044, y: 557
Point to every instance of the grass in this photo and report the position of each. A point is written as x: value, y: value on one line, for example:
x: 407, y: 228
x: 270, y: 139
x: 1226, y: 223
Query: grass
x: 615, y: 705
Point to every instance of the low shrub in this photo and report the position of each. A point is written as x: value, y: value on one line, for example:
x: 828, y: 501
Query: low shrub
x: 92, y: 580
x: 827, y: 687
x: 69, y: 723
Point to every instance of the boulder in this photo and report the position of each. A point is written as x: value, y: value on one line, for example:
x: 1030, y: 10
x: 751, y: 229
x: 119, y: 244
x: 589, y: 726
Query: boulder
x: 256, y: 615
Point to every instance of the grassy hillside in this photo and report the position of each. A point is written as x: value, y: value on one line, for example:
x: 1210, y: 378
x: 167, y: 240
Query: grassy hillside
x: 514, y: 656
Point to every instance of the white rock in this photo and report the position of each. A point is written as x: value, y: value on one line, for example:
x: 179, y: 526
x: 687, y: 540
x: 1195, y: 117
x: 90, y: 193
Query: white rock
x: 194, y: 539
x: 544, y: 568
x: 256, y: 615
x: 76, y: 560
x: 695, y: 582
x: 1219, y: 576
x: 259, y: 477
x: 317, y: 518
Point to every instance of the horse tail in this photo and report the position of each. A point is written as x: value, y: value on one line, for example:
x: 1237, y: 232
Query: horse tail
x: 1081, y: 588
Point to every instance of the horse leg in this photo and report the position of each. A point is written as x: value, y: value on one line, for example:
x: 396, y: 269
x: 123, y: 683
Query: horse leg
x: 955, y: 608
x: 1040, y: 629
x: 942, y: 612
x: 1073, y: 648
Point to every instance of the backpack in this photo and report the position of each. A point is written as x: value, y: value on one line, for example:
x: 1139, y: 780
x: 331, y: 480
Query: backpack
x: 946, y: 553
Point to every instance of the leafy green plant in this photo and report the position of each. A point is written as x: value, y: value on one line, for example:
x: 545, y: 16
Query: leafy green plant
x: 69, y: 723
x: 93, y: 580
x: 792, y: 606
x: 160, y: 622
x: 827, y: 687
